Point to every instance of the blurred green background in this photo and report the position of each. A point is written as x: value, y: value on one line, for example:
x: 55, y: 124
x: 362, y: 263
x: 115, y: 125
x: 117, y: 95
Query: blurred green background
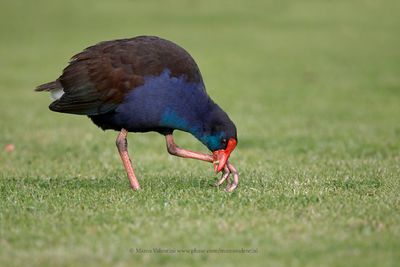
x: 313, y: 87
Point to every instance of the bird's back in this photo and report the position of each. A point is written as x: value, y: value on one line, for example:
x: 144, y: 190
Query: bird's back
x: 98, y: 79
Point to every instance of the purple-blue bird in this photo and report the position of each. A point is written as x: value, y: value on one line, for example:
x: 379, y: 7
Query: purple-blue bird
x: 146, y: 84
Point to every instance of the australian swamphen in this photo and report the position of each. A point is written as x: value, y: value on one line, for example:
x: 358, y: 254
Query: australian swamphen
x: 146, y: 84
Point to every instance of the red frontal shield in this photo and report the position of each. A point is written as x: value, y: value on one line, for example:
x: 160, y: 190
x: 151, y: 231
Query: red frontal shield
x: 221, y: 156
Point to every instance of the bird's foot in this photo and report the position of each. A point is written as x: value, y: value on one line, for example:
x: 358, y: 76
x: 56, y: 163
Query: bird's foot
x: 229, y: 170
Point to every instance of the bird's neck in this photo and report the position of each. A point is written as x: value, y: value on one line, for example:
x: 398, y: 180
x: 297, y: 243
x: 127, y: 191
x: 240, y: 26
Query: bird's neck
x: 190, y: 118
x: 202, y: 126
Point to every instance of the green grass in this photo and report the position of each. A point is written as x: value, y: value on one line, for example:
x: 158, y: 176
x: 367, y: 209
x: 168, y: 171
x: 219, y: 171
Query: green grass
x: 313, y: 87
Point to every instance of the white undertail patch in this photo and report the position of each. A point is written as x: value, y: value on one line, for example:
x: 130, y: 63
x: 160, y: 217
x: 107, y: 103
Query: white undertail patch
x: 56, y: 93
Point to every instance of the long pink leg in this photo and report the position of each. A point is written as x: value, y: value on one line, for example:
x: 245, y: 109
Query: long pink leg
x: 122, y: 145
x: 224, y: 176
x: 173, y: 149
x: 229, y: 169
x: 232, y: 169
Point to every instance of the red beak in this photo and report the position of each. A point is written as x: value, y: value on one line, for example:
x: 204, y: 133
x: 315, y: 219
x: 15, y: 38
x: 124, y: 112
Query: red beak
x: 221, y: 156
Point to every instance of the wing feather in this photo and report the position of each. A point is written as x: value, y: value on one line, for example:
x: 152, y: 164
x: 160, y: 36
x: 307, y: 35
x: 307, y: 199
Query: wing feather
x: 98, y: 78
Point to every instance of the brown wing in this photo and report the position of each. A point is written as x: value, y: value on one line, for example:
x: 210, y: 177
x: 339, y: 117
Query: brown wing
x: 97, y: 79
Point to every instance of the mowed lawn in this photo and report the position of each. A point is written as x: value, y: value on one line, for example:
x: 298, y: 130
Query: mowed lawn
x: 313, y: 87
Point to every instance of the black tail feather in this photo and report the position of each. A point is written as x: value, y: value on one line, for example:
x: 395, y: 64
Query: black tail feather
x: 49, y: 86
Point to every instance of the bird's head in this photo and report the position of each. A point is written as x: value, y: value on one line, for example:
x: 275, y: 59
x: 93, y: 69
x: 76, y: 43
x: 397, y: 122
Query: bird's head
x: 221, y: 156
x: 220, y: 138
